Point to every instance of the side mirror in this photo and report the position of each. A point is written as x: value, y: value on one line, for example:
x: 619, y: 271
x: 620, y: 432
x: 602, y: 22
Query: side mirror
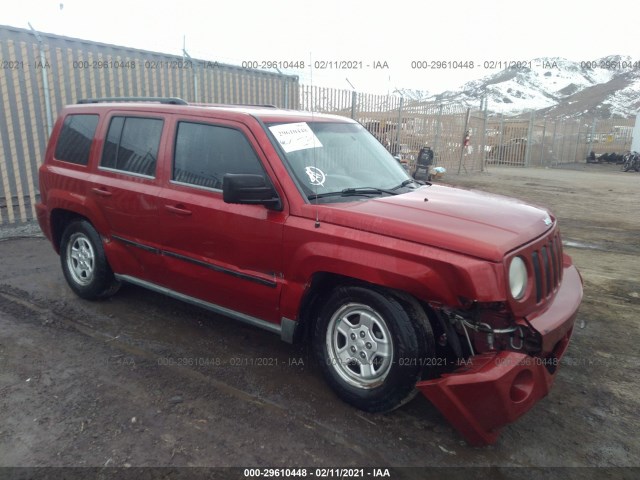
x: 249, y: 189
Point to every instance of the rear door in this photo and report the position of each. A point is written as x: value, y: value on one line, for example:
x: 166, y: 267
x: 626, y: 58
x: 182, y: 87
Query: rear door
x: 126, y: 187
x: 226, y: 254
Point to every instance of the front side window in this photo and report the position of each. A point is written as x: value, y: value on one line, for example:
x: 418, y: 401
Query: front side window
x: 74, y: 141
x: 205, y: 153
x: 338, y: 161
x: 132, y: 145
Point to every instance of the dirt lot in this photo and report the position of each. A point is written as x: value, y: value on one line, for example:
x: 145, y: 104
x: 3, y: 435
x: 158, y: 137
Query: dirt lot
x: 143, y: 380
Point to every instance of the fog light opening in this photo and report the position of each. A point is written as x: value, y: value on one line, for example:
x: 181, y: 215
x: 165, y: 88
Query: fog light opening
x: 521, y: 387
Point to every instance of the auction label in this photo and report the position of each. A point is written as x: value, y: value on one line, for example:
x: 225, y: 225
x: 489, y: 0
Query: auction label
x: 295, y: 136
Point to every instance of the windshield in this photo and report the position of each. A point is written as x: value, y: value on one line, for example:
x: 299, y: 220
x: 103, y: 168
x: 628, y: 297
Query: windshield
x: 331, y: 160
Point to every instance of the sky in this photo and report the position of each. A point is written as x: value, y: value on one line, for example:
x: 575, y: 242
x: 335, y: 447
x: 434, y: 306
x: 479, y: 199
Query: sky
x: 399, y: 36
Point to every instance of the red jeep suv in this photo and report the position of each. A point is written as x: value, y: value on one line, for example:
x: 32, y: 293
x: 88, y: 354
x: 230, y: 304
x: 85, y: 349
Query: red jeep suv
x: 303, y: 224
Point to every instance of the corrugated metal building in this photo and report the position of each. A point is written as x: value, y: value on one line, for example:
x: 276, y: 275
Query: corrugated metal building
x: 40, y: 73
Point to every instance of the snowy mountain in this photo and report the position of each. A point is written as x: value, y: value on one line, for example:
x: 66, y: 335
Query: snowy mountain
x: 557, y: 87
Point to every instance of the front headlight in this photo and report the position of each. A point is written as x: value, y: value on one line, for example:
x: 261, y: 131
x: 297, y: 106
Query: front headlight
x: 517, y: 277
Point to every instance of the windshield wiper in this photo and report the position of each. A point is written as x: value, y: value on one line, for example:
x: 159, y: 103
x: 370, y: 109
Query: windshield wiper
x: 371, y: 190
x: 404, y: 184
x: 412, y: 180
x: 347, y: 192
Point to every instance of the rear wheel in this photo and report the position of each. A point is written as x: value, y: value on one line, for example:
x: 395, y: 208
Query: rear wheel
x: 84, y: 263
x: 371, y: 347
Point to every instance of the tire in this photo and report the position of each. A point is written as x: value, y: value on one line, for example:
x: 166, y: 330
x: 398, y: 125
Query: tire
x: 371, y: 347
x: 84, y: 263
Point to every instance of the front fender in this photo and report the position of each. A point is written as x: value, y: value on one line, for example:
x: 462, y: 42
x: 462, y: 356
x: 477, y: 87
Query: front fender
x: 429, y: 274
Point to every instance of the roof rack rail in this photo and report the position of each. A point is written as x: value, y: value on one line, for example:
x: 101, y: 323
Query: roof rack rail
x: 239, y: 105
x: 167, y: 100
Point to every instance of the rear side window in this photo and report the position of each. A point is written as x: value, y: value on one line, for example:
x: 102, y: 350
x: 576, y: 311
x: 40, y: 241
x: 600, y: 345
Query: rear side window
x: 205, y: 153
x: 74, y: 141
x: 132, y: 145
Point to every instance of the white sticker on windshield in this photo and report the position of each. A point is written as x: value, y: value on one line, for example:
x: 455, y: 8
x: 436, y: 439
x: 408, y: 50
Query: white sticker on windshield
x: 316, y: 176
x: 295, y: 136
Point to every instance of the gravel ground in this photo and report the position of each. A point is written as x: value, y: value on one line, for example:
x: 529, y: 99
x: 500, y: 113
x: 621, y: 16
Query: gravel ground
x: 141, y: 380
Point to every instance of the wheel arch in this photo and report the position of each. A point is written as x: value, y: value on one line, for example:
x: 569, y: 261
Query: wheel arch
x: 64, y: 207
x: 323, y: 283
x: 59, y: 220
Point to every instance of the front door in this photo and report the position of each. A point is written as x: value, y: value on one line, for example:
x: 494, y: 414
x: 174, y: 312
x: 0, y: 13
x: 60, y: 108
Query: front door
x: 226, y: 254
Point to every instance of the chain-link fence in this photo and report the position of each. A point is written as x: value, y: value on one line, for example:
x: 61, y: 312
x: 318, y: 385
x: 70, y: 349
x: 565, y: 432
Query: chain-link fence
x: 466, y: 140
x: 404, y: 127
x: 546, y: 142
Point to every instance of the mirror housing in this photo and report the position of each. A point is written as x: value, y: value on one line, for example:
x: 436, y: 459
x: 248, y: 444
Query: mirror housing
x: 249, y: 189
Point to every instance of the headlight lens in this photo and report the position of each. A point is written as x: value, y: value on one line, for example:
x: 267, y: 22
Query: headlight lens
x: 517, y: 277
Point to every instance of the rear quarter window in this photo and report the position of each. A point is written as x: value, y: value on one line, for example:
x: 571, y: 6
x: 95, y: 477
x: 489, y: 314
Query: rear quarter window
x: 76, y: 135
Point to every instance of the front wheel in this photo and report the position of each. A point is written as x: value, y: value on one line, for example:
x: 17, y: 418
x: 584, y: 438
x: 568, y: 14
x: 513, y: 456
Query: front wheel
x: 84, y: 263
x: 371, y: 347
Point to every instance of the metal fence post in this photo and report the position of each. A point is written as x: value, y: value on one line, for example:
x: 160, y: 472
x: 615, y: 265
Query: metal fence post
x: 553, y: 141
x: 575, y: 155
x: 564, y: 134
x: 354, y: 101
x: 195, y: 73
x: 399, y: 126
x: 483, y: 152
x: 437, y: 139
x: 286, y: 93
x: 501, y: 139
x: 466, y: 127
x: 544, y: 136
x: 593, y: 133
x: 45, y: 81
x: 527, y: 152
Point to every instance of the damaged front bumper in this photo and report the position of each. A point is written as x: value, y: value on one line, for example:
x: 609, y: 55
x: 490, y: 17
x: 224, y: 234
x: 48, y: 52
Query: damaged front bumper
x: 493, y: 389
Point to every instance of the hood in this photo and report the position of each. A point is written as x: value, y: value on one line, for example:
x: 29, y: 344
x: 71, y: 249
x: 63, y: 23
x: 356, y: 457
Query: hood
x: 475, y: 223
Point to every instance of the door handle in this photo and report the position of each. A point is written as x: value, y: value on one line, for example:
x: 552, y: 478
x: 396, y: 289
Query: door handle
x: 178, y: 209
x: 103, y: 192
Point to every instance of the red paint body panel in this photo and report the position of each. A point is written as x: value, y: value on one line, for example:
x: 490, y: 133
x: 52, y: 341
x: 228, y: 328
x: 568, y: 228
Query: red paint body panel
x: 428, y: 273
x: 434, y: 215
x: 477, y: 399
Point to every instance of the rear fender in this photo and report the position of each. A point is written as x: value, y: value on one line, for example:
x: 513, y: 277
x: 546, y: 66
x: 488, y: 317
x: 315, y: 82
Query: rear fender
x: 77, y: 204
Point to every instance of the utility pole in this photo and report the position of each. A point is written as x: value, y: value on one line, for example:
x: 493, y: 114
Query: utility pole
x: 195, y: 73
x: 45, y: 80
